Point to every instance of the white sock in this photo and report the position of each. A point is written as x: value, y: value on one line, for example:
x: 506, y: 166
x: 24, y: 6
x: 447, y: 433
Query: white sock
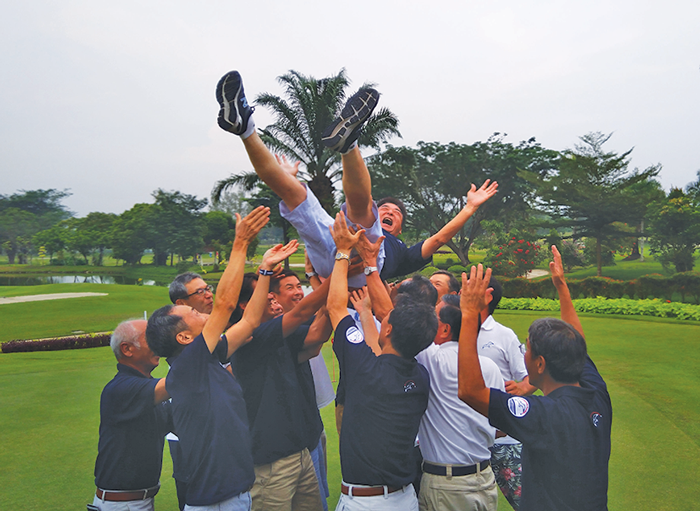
x: 352, y: 146
x: 251, y: 128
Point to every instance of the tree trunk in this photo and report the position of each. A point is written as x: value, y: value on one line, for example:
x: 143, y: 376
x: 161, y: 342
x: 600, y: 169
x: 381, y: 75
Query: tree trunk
x: 599, y: 258
x: 323, y: 190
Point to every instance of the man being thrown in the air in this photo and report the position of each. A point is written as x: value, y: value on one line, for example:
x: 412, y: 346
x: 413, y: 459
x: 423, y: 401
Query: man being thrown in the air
x: 302, y: 209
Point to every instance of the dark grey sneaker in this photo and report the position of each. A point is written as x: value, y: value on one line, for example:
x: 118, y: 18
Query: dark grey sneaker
x: 345, y: 129
x: 235, y: 111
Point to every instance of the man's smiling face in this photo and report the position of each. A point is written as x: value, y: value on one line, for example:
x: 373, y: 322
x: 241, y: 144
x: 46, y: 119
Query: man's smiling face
x: 391, y: 218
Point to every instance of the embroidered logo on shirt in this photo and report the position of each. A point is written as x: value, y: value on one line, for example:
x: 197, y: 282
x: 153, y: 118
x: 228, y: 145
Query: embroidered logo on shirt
x: 353, y: 335
x: 488, y: 345
x: 409, y: 386
x: 518, y: 406
x: 596, y: 418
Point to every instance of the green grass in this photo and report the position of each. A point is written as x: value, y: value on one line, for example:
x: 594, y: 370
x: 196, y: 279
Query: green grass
x: 50, y: 417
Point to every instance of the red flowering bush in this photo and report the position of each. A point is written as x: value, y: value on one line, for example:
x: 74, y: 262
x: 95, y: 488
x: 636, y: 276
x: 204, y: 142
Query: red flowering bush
x: 515, y: 256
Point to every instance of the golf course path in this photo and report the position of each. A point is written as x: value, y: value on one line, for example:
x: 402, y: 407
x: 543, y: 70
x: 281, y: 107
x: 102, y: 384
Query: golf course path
x: 38, y: 298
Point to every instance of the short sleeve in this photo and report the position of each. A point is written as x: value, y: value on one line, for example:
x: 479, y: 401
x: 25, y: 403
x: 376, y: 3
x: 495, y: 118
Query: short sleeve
x: 187, y: 374
x: 590, y: 377
x: 412, y: 260
x: 350, y: 347
x: 523, y: 418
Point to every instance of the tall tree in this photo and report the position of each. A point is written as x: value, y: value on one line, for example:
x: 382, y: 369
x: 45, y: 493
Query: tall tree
x: 675, y: 230
x: 25, y: 213
x: 129, y: 235
x: 308, y: 106
x: 433, y: 180
x: 588, y: 191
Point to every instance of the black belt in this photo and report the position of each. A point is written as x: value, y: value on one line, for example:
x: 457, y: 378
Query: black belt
x: 125, y: 496
x: 457, y: 470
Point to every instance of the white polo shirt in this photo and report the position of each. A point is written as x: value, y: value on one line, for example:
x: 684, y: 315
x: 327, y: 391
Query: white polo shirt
x: 451, y: 432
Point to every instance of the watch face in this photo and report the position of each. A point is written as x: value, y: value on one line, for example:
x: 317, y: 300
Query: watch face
x: 369, y: 269
x: 340, y: 255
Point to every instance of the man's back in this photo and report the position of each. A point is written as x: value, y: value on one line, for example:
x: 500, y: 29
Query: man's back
x: 385, y: 399
x: 566, y: 442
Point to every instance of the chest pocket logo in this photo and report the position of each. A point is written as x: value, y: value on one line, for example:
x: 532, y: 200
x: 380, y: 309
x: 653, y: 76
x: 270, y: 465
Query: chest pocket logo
x: 409, y: 386
x: 353, y: 335
x: 518, y: 406
x: 596, y: 418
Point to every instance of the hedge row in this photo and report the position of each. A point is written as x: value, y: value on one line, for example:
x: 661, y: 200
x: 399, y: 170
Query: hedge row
x: 61, y: 343
x: 601, y: 305
x: 685, y: 284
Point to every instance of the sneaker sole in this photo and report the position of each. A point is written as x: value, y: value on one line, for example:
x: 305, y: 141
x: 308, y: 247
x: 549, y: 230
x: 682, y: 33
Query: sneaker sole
x: 234, y: 84
x: 355, y: 112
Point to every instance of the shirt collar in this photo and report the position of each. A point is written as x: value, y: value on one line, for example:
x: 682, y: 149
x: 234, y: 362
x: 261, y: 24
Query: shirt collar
x: 488, y: 324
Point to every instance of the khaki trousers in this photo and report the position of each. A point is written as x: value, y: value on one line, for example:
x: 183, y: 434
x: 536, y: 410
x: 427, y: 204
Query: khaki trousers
x: 288, y: 484
x: 474, y: 492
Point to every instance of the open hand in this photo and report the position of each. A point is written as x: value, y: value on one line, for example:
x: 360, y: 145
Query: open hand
x: 278, y: 253
x: 249, y: 227
x: 476, y: 198
x: 359, y: 299
x: 369, y: 251
x: 475, y: 290
x: 344, y: 239
x: 284, y: 163
x: 557, y: 268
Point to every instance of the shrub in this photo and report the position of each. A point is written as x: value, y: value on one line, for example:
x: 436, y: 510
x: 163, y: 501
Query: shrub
x: 687, y: 282
x: 602, y: 286
x: 61, y: 343
x: 515, y: 256
x: 654, y: 285
x: 457, y: 269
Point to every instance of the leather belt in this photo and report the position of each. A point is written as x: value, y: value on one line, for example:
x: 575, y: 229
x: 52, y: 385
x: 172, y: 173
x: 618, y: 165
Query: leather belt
x: 123, y: 496
x: 457, y: 470
x: 368, y: 491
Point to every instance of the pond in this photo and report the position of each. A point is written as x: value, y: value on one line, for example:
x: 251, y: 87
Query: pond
x: 37, y: 280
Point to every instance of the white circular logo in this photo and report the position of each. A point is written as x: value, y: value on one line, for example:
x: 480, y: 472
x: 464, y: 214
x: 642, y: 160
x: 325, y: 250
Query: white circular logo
x: 518, y: 406
x: 353, y: 335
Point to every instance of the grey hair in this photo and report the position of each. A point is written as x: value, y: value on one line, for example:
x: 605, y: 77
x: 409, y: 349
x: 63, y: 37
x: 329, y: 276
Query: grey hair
x: 177, y: 289
x: 125, y: 332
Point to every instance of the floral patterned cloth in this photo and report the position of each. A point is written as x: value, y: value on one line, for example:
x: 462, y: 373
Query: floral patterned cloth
x: 507, y: 467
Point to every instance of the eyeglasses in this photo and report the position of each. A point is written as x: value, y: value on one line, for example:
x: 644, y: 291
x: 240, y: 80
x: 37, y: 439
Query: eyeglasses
x: 201, y: 291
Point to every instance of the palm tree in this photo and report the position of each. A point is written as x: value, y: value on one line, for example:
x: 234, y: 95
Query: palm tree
x: 308, y: 106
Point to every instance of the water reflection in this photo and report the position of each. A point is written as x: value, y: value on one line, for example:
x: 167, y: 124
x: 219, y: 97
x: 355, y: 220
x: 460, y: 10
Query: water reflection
x: 25, y: 280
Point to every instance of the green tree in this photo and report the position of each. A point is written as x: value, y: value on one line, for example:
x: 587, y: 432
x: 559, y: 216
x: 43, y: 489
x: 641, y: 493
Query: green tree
x: 175, y: 225
x: 433, y: 180
x: 52, y: 239
x: 25, y: 213
x: 308, y: 106
x: 675, y: 230
x: 589, y: 192
x: 129, y: 234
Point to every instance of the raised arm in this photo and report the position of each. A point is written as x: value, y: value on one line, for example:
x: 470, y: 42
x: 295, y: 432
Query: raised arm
x: 475, y: 198
x: 381, y: 301
x: 305, y: 309
x: 319, y: 332
x: 240, y: 333
x: 345, y: 240
x: 363, y: 305
x: 230, y: 284
x: 471, y: 387
x: 568, y: 313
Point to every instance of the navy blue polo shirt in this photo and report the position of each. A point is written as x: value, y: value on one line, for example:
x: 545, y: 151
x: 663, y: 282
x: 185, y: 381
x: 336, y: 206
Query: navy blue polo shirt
x: 399, y: 259
x: 279, y: 392
x: 132, y: 429
x: 566, y: 443
x: 210, y: 418
x: 385, y: 398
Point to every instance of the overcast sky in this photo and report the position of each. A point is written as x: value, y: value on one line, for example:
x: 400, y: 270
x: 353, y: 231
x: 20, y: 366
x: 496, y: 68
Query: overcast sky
x: 115, y: 99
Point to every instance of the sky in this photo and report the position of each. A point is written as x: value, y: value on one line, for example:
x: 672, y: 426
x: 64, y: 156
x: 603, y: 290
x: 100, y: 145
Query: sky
x: 112, y: 100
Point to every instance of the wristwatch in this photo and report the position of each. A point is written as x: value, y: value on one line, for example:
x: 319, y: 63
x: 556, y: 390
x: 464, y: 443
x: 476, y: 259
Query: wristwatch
x: 370, y: 269
x: 340, y: 255
x: 311, y: 274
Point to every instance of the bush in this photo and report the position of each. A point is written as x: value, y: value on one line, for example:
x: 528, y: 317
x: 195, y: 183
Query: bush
x: 457, y: 270
x: 654, y: 285
x: 600, y: 305
x: 687, y: 282
x: 602, y: 286
x: 61, y: 343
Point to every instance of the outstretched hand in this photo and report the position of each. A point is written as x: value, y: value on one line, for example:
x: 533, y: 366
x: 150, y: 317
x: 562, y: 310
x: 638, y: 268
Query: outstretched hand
x: 249, y: 227
x: 344, y: 239
x: 475, y: 290
x: 369, y: 251
x: 285, y: 164
x: 476, y: 198
x: 557, y: 268
x: 278, y: 253
x: 360, y: 300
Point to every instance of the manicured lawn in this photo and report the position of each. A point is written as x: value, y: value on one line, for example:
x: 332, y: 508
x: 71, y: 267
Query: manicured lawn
x: 50, y: 416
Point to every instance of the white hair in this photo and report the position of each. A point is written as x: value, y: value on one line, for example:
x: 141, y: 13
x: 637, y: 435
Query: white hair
x: 126, y: 332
